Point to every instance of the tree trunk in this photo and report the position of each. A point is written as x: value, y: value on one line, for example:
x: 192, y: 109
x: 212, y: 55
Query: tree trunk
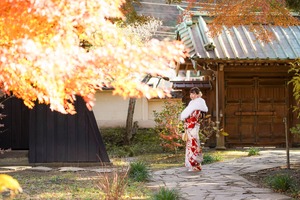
x: 129, y: 121
x: 131, y: 127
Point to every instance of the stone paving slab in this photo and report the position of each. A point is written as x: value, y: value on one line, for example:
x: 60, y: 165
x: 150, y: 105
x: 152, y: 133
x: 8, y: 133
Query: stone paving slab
x: 223, y: 180
x: 41, y: 168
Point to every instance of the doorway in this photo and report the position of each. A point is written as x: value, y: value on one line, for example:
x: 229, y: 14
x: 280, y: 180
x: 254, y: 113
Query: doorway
x: 254, y: 110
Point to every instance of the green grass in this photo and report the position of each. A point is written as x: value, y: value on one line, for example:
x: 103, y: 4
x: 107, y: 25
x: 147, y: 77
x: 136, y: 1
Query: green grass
x: 138, y: 171
x: 253, y: 151
x: 211, y: 158
x: 166, y: 194
x: 281, y: 182
x: 145, y: 149
x: 57, y: 185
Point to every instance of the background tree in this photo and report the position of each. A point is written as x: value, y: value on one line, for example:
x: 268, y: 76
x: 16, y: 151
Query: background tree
x: 41, y: 59
x: 140, y: 32
x: 253, y: 13
x: 141, y: 29
x: 294, y: 5
x: 295, y: 69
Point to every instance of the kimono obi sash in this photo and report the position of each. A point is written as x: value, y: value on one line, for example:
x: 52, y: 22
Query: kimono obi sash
x: 193, y: 119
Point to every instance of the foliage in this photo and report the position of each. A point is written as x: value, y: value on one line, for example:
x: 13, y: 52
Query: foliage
x: 139, y: 32
x: 114, y: 186
x: 168, y: 125
x: 208, y: 128
x: 252, y: 13
x: 146, y: 141
x: 211, y: 158
x: 295, y: 69
x: 112, y: 136
x: 294, y: 5
x: 230, y: 13
x: 281, y: 182
x: 42, y: 59
x: 9, y: 187
x: 142, y: 32
x: 296, y: 129
x: 83, y: 184
x: 138, y: 171
x: 166, y: 194
x: 253, y: 151
x: 131, y: 16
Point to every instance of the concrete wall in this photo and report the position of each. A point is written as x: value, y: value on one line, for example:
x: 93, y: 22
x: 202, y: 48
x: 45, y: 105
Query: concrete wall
x: 111, y: 110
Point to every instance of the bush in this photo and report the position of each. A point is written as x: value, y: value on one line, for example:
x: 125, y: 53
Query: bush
x: 296, y: 130
x: 168, y: 125
x: 281, y: 182
x: 253, y: 151
x: 208, y: 158
x: 166, y: 194
x: 145, y: 141
x: 139, y: 172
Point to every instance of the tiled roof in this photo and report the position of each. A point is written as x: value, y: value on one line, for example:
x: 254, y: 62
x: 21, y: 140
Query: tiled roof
x: 238, y: 43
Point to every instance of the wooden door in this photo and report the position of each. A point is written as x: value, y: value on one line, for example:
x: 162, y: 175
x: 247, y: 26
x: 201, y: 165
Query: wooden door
x: 254, y: 111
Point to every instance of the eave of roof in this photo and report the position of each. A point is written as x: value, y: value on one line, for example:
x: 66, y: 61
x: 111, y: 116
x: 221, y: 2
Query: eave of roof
x: 189, y: 84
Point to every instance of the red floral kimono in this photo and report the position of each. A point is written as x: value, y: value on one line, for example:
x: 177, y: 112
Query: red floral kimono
x: 193, y: 155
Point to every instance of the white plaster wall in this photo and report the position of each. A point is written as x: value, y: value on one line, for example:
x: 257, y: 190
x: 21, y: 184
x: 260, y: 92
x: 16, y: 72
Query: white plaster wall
x: 111, y: 110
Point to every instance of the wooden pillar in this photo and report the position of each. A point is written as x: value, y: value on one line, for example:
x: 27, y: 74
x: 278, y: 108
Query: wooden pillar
x: 220, y: 105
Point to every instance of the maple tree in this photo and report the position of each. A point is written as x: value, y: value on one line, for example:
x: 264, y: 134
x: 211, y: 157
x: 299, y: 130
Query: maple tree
x: 254, y: 13
x: 42, y: 59
x: 140, y: 29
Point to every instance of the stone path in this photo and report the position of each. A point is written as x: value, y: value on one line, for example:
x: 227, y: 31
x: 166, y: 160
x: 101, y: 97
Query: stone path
x: 223, y: 180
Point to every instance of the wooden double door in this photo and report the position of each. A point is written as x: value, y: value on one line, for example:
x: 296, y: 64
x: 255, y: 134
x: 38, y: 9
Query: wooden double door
x: 255, y: 108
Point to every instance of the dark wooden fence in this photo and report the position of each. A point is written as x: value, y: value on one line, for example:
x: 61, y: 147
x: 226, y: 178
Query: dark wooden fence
x: 15, y: 132
x: 51, y: 136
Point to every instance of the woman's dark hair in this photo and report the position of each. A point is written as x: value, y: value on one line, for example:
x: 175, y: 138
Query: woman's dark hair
x: 195, y: 90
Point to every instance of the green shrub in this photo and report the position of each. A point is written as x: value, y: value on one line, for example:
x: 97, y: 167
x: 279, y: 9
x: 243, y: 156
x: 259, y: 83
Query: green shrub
x: 166, y: 194
x: 113, y: 136
x: 168, y: 125
x: 119, y: 151
x: 217, y: 157
x: 252, y: 151
x: 208, y: 158
x: 296, y: 130
x: 138, y: 171
x: 145, y: 141
x: 281, y: 182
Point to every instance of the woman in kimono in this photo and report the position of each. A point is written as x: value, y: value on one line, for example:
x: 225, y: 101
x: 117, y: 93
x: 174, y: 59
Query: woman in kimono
x: 190, y: 115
